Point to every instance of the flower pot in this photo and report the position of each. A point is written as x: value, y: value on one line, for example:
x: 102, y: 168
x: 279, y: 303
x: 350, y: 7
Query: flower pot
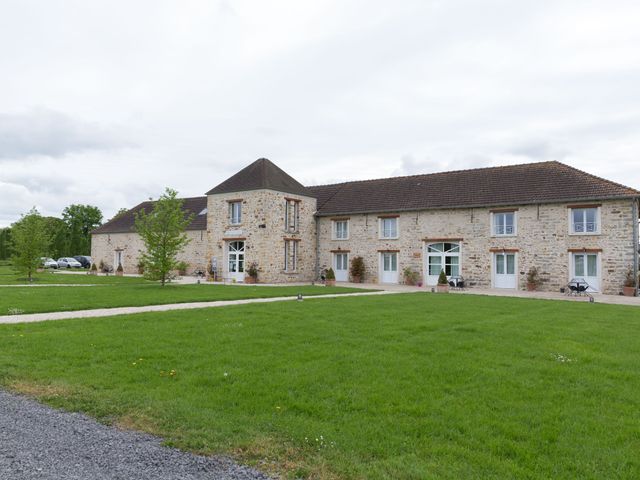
x: 119, y: 273
x: 531, y: 287
x: 443, y: 288
x: 356, y: 279
x: 330, y: 283
x: 629, y: 291
x: 250, y: 279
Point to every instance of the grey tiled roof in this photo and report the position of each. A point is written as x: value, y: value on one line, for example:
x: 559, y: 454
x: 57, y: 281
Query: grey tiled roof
x: 125, y: 223
x: 530, y: 183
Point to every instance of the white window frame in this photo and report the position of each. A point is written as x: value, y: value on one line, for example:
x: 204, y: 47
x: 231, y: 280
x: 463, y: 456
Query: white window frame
x: 381, y: 234
x: 296, y: 215
x: 598, y: 219
x: 334, y: 229
x: 291, y: 256
x: 231, y: 212
x: 494, y: 233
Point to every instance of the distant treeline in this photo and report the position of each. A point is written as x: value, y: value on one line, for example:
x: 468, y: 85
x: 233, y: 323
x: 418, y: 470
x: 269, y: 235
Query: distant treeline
x: 70, y: 235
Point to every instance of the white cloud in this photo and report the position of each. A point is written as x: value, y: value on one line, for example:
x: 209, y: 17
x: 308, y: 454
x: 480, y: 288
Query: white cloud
x: 330, y: 90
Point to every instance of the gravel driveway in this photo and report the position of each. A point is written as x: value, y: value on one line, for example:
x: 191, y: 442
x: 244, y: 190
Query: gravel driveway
x: 38, y: 442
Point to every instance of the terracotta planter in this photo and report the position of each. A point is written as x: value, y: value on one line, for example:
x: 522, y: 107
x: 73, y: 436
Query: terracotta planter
x: 330, y: 283
x: 356, y: 279
x: 119, y: 274
x: 629, y: 291
x: 250, y: 280
x: 532, y: 287
x: 442, y: 288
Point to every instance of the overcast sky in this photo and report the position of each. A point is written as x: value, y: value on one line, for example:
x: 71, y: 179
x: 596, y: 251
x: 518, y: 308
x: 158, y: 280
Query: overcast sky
x: 108, y: 102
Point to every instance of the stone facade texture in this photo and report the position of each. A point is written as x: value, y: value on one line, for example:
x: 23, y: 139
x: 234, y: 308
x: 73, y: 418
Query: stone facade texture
x: 542, y: 240
x: 262, y: 228
x: 104, y: 247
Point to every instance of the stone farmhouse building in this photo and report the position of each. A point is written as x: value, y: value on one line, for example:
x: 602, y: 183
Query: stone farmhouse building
x: 488, y: 225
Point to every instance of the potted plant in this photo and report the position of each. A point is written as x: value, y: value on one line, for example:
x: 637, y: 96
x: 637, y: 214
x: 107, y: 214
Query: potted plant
x: 252, y: 273
x: 443, y: 283
x: 330, y: 278
x: 140, y: 267
x: 93, y: 270
x: 533, y: 279
x: 119, y: 270
x: 357, y: 269
x: 411, y: 277
x: 629, y: 288
x: 182, y: 268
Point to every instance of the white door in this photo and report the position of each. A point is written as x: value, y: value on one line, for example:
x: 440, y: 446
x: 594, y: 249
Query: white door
x: 340, y: 266
x: 504, y: 270
x: 585, y: 265
x: 389, y: 267
x: 235, y: 263
x: 442, y: 256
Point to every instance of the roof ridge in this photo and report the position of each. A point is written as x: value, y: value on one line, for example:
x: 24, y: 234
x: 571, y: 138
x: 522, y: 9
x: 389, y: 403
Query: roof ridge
x: 496, y: 167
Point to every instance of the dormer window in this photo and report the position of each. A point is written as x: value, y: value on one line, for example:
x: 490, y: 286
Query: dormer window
x: 235, y: 212
x: 291, y: 215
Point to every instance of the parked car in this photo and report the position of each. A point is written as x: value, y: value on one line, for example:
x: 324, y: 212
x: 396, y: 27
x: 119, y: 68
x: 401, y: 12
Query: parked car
x: 48, y: 262
x: 84, y: 260
x: 68, y: 262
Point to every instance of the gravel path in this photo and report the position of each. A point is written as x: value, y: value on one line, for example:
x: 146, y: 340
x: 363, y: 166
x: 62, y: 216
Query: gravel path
x: 38, y: 442
x: 109, y: 312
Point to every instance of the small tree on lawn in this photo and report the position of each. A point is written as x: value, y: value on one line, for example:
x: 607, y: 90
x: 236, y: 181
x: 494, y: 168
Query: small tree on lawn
x: 30, y: 241
x: 163, y: 232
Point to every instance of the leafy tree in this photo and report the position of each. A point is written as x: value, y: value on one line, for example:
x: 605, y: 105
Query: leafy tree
x: 30, y: 242
x: 5, y: 243
x: 119, y: 213
x: 58, y: 233
x: 81, y: 220
x: 163, y: 233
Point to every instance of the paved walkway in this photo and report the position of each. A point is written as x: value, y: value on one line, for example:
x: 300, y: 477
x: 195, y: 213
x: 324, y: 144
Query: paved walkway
x: 109, y: 312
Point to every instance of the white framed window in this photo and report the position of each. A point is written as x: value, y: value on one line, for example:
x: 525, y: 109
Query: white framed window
x: 388, y: 227
x: 504, y: 224
x: 290, y: 255
x: 235, y: 212
x: 584, y: 220
x: 291, y: 215
x: 341, y: 229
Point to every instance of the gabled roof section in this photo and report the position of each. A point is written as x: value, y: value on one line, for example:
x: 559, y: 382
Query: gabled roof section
x: 126, y: 222
x: 261, y: 174
x: 531, y: 183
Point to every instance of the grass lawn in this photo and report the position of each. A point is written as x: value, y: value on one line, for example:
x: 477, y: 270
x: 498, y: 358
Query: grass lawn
x: 57, y: 299
x: 8, y: 276
x: 400, y: 386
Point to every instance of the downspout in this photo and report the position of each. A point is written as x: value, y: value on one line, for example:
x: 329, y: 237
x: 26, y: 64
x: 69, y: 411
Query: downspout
x: 636, y: 240
x: 317, y: 266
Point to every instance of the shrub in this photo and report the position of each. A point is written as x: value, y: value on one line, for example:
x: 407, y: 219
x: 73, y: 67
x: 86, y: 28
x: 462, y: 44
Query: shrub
x: 94, y: 268
x: 182, y: 267
x: 411, y: 277
x: 533, y: 276
x: 120, y: 269
x: 442, y: 278
x: 330, y: 274
x: 630, y: 280
x: 252, y: 271
x: 357, y: 267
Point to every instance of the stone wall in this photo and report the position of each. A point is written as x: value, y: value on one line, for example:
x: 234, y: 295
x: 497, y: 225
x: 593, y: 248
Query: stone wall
x: 104, y: 246
x: 542, y: 240
x: 263, y: 230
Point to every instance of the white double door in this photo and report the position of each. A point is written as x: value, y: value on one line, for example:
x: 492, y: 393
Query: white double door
x: 504, y: 270
x: 388, y: 267
x: 235, y: 260
x: 341, y: 266
x: 586, y: 266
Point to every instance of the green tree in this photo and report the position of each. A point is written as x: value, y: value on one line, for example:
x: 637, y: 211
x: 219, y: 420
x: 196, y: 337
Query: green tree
x: 5, y: 243
x: 163, y: 233
x: 119, y: 213
x: 81, y: 220
x: 30, y: 241
x: 58, y: 233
